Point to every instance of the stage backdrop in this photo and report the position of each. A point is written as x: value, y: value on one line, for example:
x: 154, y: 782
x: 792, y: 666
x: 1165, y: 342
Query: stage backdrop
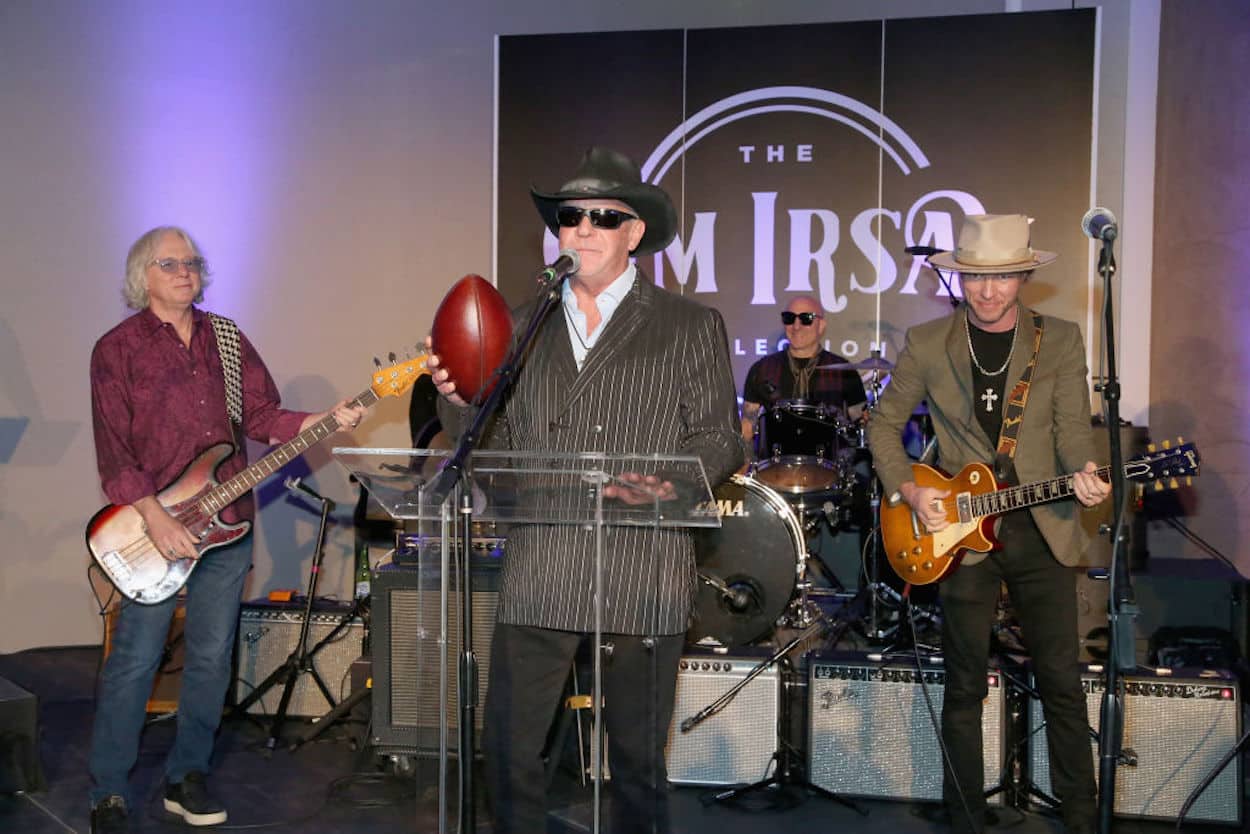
x: 803, y: 159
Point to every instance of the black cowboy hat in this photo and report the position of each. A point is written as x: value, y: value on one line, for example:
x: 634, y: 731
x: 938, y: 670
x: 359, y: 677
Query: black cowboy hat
x: 610, y: 175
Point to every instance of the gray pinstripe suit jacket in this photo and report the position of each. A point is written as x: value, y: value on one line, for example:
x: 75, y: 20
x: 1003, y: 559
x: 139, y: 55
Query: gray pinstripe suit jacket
x: 658, y: 380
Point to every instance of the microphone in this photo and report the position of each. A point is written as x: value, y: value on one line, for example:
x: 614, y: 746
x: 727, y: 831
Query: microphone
x: 298, y: 485
x: 738, y: 596
x: 1100, y: 224
x: 923, y: 251
x: 550, y: 277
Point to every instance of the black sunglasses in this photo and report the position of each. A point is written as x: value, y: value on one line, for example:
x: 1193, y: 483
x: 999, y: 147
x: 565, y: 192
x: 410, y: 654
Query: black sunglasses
x: 806, y: 319
x: 602, y: 218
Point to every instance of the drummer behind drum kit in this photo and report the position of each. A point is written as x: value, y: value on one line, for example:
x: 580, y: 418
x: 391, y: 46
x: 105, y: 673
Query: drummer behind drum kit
x: 811, y: 469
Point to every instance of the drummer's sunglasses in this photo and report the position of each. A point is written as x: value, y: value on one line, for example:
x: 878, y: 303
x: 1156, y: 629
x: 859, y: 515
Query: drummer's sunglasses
x: 602, y: 218
x: 806, y: 319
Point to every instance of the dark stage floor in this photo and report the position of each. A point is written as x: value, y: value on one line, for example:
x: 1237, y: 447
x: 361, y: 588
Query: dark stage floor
x: 311, y: 790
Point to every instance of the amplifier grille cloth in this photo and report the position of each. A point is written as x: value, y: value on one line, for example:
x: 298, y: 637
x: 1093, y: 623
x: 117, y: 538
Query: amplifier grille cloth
x: 870, y: 733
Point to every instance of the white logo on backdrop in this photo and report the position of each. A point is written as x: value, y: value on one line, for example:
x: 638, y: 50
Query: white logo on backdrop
x: 815, y: 233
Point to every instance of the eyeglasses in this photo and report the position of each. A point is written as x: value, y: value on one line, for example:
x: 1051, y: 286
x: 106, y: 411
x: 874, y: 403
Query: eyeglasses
x: 600, y: 218
x: 806, y: 319
x: 170, y: 265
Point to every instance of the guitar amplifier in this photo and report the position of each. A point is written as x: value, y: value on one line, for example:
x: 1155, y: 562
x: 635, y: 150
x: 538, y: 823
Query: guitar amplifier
x: 870, y: 733
x: 736, y: 744
x: 1177, y: 726
x: 267, y: 635
x: 406, y: 667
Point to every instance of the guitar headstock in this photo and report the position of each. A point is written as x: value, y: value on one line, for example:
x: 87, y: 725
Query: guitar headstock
x: 1165, y: 464
x: 398, y: 377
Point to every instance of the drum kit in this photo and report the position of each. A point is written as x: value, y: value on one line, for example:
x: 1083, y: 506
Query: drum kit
x: 759, y: 572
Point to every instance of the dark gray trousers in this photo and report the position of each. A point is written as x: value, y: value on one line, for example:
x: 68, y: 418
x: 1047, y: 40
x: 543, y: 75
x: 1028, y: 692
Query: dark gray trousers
x: 529, y: 667
x: 1043, y: 593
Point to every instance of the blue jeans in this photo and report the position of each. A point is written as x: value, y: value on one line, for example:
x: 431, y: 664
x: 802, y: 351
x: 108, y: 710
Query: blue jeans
x: 212, y: 600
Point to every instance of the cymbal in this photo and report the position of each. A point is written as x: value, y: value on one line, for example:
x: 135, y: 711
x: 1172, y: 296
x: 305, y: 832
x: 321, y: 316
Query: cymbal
x: 872, y: 363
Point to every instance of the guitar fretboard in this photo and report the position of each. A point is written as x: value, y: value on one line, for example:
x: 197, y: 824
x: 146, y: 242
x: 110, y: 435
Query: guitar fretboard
x: 1027, y: 495
x: 216, y: 499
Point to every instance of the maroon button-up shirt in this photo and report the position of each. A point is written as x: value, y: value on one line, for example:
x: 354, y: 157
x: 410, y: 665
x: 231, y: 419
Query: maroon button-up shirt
x: 157, y: 404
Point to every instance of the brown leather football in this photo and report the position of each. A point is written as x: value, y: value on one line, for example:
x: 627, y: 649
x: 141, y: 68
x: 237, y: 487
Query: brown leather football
x: 471, y: 332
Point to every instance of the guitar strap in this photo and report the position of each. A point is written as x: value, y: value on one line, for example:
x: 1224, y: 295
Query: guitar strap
x: 227, y: 333
x: 1013, y: 414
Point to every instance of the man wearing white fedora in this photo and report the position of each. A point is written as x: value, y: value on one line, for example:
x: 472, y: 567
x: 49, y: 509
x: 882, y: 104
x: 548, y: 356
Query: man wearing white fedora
x: 1006, y: 387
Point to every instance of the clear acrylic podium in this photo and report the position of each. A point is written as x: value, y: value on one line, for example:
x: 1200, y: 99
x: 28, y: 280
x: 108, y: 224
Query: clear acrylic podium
x: 506, y: 489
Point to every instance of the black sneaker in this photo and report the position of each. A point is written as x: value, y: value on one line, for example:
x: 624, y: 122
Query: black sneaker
x: 190, y: 800
x: 109, y: 816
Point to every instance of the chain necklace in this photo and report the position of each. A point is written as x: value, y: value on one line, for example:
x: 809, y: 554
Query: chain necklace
x: 802, y: 376
x: 972, y: 351
x: 573, y: 326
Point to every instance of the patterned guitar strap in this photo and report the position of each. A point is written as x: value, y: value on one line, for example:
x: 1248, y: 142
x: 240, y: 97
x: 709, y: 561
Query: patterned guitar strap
x: 227, y: 333
x: 1013, y: 414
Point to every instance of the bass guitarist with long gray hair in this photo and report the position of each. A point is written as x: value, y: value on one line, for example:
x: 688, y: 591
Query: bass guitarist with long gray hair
x: 159, y: 399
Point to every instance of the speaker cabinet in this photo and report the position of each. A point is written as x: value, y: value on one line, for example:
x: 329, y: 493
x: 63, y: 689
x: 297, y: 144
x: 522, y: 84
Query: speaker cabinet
x: 870, y: 733
x: 736, y: 744
x: 1176, y: 728
x: 20, y: 769
x: 267, y: 635
x: 168, y: 683
x: 406, y: 661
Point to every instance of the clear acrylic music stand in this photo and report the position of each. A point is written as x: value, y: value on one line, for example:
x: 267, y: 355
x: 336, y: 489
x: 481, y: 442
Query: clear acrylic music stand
x: 509, y: 489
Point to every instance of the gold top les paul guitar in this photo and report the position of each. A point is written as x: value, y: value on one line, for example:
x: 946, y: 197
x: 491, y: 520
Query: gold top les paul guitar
x: 118, y: 540
x: 976, y: 500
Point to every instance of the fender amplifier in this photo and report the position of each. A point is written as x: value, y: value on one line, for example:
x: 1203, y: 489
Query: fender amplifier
x: 1177, y: 727
x: 734, y: 745
x: 870, y: 733
x: 268, y: 633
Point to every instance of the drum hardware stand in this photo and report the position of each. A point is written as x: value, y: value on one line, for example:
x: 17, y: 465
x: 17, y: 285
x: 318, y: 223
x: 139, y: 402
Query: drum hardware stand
x: 300, y: 661
x: 788, y: 783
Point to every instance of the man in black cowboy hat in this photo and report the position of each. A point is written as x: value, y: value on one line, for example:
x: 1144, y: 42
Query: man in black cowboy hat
x: 968, y: 365
x: 622, y: 367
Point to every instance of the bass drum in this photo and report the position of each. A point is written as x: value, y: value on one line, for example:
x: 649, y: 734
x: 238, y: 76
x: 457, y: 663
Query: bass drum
x: 748, y: 566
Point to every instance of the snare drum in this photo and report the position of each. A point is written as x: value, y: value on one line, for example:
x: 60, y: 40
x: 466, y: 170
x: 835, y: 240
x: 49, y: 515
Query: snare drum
x: 748, y: 566
x: 798, y: 447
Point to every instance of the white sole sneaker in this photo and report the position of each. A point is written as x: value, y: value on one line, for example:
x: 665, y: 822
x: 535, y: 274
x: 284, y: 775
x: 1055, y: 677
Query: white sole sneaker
x: 191, y: 818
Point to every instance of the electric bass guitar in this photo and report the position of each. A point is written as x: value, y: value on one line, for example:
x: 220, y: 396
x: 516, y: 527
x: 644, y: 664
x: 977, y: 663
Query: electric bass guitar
x: 117, y: 536
x: 977, y: 499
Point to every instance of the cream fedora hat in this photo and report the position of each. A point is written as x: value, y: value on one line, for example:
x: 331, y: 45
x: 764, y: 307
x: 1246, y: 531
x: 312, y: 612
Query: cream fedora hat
x: 993, y: 243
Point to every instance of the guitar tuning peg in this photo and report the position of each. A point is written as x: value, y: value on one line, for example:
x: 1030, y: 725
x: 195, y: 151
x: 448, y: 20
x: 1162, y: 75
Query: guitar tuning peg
x: 1167, y: 444
x: 1189, y: 481
x: 1158, y: 485
x: 1172, y: 484
x: 1180, y: 441
x: 377, y: 363
x: 391, y: 357
x: 1150, y: 447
